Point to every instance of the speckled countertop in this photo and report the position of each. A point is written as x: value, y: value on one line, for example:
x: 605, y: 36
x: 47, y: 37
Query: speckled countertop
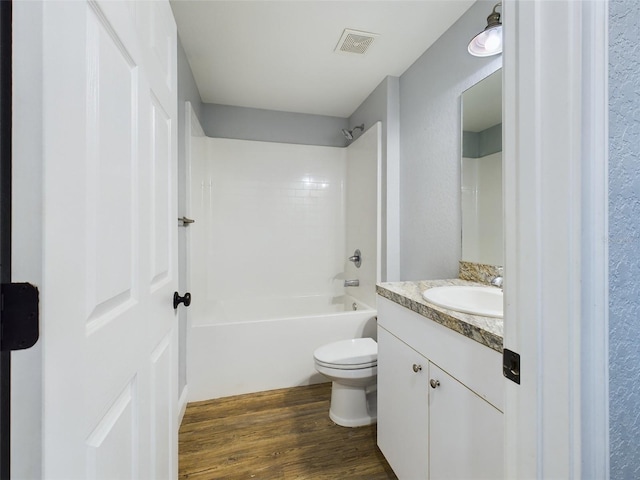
x: 485, y: 330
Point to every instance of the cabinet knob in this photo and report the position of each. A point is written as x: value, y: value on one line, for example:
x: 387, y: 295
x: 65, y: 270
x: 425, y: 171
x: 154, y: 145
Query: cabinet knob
x: 434, y: 383
x: 416, y: 367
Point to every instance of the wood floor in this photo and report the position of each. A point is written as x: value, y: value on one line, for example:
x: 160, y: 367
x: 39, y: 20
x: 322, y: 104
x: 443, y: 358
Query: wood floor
x: 281, y: 434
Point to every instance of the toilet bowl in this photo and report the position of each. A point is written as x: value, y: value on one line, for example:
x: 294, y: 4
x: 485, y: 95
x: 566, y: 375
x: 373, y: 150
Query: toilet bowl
x: 352, y: 366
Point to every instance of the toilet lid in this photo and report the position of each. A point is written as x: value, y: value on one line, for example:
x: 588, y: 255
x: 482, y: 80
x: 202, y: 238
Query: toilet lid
x: 355, y: 353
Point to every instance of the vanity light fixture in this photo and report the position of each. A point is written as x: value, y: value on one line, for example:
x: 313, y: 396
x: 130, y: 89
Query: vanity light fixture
x: 489, y: 41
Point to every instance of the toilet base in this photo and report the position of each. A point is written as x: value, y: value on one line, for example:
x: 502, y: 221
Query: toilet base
x: 353, y: 406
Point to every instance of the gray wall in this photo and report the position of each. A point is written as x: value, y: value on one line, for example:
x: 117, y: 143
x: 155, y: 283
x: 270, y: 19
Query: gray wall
x: 430, y: 148
x: 481, y: 144
x: 187, y: 91
x: 624, y: 238
x: 383, y: 105
x: 224, y: 121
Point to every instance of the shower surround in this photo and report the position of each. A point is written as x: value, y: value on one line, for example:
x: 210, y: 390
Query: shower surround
x: 275, y: 224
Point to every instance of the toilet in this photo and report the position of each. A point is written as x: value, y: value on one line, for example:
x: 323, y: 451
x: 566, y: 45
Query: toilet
x: 352, y: 366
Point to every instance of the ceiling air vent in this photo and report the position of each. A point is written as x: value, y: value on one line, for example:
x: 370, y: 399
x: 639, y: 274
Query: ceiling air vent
x: 354, y: 41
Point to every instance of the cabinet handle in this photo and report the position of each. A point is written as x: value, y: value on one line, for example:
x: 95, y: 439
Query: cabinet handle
x: 416, y: 367
x: 434, y: 383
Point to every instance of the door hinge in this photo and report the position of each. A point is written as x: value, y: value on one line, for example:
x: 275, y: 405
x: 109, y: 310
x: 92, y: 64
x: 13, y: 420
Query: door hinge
x: 19, y: 316
x: 511, y: 365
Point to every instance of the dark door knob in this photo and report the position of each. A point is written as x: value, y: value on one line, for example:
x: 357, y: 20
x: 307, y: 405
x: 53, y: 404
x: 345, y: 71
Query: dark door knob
x: 177, y: 299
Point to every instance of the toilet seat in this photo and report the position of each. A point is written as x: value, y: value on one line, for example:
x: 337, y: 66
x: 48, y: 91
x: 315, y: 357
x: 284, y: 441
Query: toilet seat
x: 355, y: 354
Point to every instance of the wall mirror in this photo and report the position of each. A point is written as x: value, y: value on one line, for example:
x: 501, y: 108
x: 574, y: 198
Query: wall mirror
x: 481, y: 172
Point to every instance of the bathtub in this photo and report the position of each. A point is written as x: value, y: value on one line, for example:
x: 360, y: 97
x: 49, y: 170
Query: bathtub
x: 252, y: 345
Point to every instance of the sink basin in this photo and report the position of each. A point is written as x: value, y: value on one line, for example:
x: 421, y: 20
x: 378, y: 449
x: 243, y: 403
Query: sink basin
x: 485, y: 301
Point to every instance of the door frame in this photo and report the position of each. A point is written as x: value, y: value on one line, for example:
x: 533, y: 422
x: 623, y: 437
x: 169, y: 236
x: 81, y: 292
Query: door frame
x: 556, y: 262
x: 6, y: 95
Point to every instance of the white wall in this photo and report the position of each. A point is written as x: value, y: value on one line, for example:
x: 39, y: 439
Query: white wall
x: 280, y: 220
x: 363, y: 208
x: 274, y: 220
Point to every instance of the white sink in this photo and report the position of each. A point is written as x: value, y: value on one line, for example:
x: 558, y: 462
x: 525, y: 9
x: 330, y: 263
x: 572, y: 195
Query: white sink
x: 485, y: 301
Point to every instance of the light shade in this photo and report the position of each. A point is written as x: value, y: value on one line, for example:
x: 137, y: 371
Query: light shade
x: 489, y: 41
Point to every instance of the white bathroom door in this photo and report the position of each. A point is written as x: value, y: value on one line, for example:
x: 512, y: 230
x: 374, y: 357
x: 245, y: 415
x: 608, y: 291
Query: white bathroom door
x: 110, y: 240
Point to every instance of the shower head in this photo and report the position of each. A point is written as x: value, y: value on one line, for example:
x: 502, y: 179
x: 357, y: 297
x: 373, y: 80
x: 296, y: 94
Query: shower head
x: 349, y: 133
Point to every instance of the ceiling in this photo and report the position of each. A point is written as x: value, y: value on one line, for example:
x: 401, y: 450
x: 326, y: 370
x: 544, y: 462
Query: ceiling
x: 279, y: 55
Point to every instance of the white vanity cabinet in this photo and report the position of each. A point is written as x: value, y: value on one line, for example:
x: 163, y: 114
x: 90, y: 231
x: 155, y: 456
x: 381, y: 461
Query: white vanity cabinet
x: 403, y: 413
x: 465, y: 431
x: 439, y: 399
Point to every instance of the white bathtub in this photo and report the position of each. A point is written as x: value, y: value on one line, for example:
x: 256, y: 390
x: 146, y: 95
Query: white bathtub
x: 252, y: 345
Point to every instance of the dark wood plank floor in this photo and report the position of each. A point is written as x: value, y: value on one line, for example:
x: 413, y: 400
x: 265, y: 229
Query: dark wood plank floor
x: 281, y: 434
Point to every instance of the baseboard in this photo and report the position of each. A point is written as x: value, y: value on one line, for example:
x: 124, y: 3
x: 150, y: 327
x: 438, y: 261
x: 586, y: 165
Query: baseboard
x: 182, y: 404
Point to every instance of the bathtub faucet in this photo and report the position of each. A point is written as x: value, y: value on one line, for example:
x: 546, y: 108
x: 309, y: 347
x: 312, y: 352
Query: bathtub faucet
x: 352, y: 283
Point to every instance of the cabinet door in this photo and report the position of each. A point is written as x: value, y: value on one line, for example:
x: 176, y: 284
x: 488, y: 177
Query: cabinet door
x: 466, y: 432
x: 403, y: 418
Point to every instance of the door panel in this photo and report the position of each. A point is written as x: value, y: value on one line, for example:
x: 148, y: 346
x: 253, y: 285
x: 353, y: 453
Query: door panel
x: 161, y: 203
x: 114, y: 437
x: 162, y: 409
x: 111, y: 87
x: 110, y: 240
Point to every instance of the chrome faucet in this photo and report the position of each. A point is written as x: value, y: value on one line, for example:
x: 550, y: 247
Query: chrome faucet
x: 352, y: 283
x: 497, y: 282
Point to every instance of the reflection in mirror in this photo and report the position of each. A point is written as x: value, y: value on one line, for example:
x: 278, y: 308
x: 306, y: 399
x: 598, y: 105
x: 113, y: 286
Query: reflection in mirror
x: 481, y: 182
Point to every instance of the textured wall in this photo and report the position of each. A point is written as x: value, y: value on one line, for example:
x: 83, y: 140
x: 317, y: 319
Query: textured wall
x: 624, y: 237
x: 430, y: 147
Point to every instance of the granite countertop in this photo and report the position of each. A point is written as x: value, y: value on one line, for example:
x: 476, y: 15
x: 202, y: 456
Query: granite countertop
x: 485, y: 330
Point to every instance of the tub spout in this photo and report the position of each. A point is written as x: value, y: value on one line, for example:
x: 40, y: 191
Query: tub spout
x: 352, y: 283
